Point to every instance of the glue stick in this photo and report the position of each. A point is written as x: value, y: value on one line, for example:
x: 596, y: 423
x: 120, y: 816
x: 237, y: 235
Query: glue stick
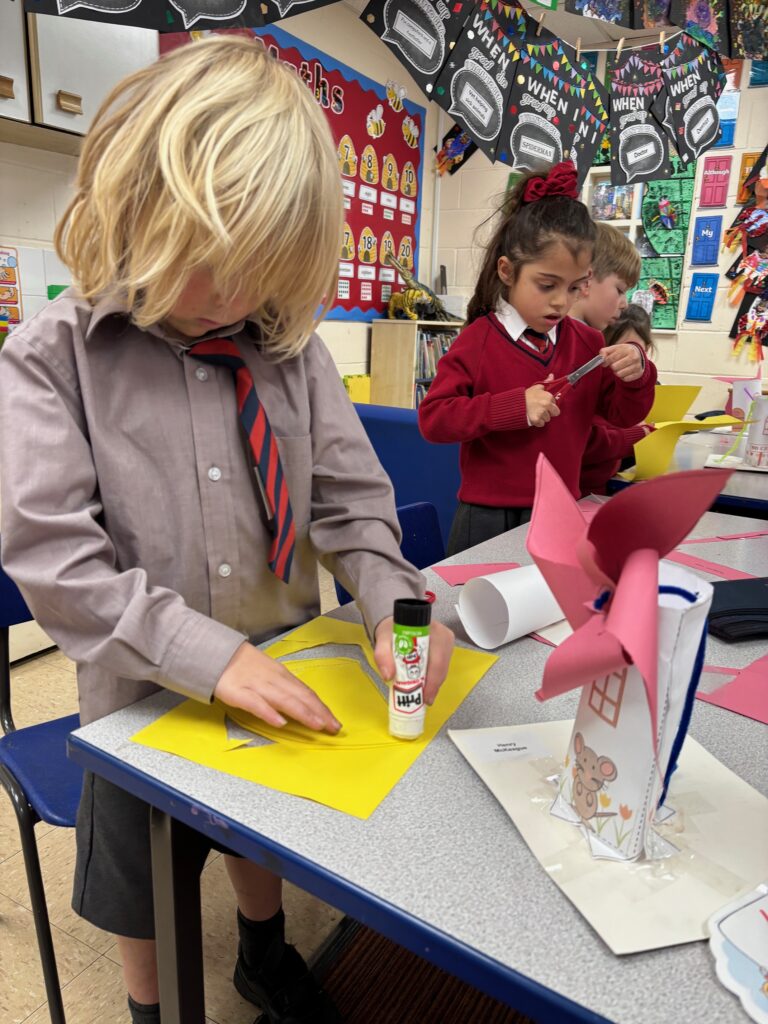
x: 410, y: 646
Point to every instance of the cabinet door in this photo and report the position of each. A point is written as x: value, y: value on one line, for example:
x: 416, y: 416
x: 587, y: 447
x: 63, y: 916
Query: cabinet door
x: 14, y: 91
x: 76, y: 63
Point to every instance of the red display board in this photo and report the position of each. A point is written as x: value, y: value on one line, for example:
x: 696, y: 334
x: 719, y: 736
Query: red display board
x: 380, y: 138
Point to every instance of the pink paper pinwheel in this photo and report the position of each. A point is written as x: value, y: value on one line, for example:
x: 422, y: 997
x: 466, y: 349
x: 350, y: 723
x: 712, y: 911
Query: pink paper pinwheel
x: 605, y: 574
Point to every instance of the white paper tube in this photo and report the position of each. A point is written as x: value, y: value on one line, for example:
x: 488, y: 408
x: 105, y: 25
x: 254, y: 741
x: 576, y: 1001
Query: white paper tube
x: 756, y: 448
x: 506, y: 605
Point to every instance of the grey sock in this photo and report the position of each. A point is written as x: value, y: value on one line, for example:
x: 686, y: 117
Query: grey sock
x: 143, y: 1013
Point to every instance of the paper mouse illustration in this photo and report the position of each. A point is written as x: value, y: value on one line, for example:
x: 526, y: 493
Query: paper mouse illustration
x: 591, y: 774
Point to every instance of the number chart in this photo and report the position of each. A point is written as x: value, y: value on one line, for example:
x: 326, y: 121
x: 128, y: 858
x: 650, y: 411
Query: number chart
x: 379, y: 135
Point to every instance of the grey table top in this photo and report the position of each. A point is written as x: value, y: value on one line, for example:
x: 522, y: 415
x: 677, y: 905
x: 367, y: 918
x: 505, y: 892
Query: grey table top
x: 469, y: 874
x: 693, y: 450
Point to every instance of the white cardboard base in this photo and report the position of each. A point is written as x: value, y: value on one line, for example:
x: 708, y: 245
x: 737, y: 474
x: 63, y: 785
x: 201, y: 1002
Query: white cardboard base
x: 720, y: 830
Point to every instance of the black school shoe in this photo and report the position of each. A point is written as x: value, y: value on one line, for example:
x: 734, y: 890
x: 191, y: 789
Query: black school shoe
x: 283, y: 988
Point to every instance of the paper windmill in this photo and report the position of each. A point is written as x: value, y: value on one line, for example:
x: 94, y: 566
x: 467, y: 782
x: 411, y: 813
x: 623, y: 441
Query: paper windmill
x: 605, y: 574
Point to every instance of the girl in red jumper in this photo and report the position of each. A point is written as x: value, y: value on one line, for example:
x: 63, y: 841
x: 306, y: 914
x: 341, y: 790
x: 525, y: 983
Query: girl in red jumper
x: 488, y: 393
x: 609, y: 445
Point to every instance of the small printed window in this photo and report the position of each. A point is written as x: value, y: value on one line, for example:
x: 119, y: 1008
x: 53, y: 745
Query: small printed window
x: 606, y: 695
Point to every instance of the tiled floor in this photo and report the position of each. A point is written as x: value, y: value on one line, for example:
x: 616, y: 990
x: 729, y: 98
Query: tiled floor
x: 88, y: 960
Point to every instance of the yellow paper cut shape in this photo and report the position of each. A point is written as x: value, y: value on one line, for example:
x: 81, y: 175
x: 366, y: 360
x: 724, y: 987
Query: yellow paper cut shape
x: 348, y: 776
x: 654, y: 453
x: 671, y: 402
x: 323, y: 630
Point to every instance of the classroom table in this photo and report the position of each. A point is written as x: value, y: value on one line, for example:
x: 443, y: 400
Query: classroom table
x: 745, y: 493
x: 438, y: 867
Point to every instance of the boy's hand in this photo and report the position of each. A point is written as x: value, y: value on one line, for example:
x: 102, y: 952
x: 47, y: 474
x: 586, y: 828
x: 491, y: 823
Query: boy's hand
x: 625, y: 361
x: 257, y: 683
x: 440, y: 648
x: 540, y: 406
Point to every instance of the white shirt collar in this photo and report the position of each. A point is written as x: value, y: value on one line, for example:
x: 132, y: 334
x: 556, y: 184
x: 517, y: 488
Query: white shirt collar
x: 514, y: 324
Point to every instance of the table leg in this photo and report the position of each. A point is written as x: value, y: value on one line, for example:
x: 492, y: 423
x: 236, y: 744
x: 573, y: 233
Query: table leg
x: 178, y: 924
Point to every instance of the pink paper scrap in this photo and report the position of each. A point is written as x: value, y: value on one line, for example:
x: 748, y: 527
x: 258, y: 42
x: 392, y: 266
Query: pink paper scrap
x: 455, y: 575
x: 746, y: 695
x: 726, y: 536
x: 703, y: 565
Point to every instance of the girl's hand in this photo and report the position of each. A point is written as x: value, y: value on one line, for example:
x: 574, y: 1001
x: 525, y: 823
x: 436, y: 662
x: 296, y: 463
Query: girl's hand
x: 540, y: 406
x: 440, y: 648
x: 259, y: 684
x: 625, y: 361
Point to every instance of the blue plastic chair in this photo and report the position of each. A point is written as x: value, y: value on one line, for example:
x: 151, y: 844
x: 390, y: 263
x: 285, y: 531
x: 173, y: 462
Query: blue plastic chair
x: 43, y: 784
x: 422, y: 542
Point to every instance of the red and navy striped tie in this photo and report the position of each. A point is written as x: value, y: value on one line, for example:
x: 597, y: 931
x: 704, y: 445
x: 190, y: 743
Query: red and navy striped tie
x: 540, y: 341
x: 254, y: 422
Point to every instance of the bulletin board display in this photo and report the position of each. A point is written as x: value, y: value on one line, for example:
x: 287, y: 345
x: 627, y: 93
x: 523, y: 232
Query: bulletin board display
x: 380, y: 138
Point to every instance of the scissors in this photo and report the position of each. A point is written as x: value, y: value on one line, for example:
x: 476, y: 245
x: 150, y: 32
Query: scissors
x: 560, y: 387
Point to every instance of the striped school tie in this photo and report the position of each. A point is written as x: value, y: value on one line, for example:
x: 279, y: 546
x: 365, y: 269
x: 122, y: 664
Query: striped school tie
x: 255, y: 425
x: 540, y: 341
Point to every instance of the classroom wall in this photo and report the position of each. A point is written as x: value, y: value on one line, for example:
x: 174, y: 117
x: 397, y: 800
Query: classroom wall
x: 35, y: 185
x: 696, y: 351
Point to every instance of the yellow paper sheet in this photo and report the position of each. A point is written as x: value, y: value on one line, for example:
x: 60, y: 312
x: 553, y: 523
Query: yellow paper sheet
x: 323, y: 630
x: 671, y: 402
x: 352, y: 774
x: 654, y: 453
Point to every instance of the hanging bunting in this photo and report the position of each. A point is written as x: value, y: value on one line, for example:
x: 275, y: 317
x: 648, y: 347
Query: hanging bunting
x: 639, y: 146
x: 687, y: 107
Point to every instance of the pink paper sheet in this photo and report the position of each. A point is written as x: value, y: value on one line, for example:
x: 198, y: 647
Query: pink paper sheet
x: 455, y: 575
x: 703, y: 565
x: 747, y: 694
x: 726, y: 536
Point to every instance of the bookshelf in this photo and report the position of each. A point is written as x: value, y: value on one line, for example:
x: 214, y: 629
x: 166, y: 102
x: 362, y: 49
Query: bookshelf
x: 632, y: 226
x: 398, y: 369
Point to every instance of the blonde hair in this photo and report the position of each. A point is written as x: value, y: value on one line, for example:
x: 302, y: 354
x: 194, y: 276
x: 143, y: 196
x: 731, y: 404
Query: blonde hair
x: 217, y: 156
x: 615, y: 254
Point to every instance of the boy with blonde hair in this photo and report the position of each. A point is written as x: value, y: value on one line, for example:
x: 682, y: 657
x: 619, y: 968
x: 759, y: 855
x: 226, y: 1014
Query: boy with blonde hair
x: 615, y: 269
x: 177, y: 451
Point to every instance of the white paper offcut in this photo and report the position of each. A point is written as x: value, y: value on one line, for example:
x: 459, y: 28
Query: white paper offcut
x: 506, y: 605
x: 720, y: 828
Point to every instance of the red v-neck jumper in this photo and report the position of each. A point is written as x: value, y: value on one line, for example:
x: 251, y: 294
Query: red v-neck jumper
x: 478, y: 399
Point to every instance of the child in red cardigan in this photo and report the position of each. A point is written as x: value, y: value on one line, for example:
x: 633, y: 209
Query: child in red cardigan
x: 609, y: 445
x: 488, y: 393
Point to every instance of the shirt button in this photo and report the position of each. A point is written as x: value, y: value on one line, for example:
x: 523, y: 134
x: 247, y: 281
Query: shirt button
x: 225, y: 569
x: 214, y: 473
x: 201, y: 373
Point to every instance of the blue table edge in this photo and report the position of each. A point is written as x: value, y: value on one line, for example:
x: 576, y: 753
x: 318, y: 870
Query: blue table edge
x: 441, y: 949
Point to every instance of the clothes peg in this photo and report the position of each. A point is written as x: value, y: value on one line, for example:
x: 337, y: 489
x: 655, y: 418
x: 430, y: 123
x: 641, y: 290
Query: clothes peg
x: 578, y: 49
x: 661, y: 41
x: 541, y: 23
x: 619, y: 47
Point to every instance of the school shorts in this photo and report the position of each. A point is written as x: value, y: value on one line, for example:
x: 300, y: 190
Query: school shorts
x: 113, y: 869
x: 473, y: 524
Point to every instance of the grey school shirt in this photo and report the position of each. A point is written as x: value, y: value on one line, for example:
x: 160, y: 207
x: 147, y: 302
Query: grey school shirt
x: 130, y: 520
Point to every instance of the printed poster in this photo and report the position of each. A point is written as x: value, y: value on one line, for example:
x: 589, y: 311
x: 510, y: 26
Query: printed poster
x: 639, y: 146
x: 177, y: 15
x: 701, y: 298
x: 706, y: 241
x: 11, y: 309
x: 714, y: 181
x: 380, y: 137
x: 748, y: 161
x: 694, y: 79
x: 728, y: 112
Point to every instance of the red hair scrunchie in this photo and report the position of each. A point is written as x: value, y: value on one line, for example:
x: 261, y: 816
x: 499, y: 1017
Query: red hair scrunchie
x: 561, y: 180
